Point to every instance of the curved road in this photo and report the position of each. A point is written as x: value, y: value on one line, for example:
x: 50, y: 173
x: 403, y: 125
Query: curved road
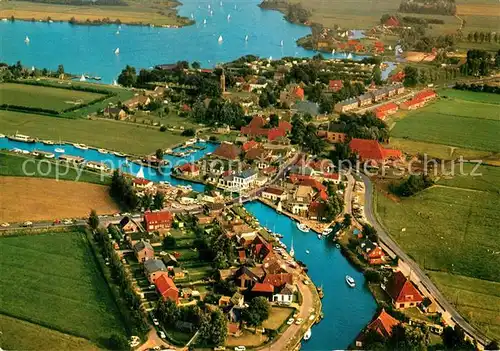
x: 418, y: 275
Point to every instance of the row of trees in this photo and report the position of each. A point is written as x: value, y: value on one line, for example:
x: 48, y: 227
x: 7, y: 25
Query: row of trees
x: 123, y: 192
x: 483, y: 88
x: 479, y: 63
x: 481, y: 37
x: 306, y: 136
x: 219, y: 112
x: 438, y: 7
x: 366, y: 126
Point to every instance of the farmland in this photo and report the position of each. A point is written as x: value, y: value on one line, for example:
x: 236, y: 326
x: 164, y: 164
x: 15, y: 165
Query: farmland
x: 109, y: 134
x: 21, y: 335
x: 46, y: 199
x: 454, y: 122
x: 43, y: 97
x: 70, y: 296
x: 448, y: 231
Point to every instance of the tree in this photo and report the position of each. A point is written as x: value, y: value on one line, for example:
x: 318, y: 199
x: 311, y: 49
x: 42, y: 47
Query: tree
x: 263, y: 100
x: 195, y: 65
x: 209, y: 188
x: 346, y: 223
x: 118, y: 342
x: 274, y: 120
x: 370, y: 232
x: 190, y: 132
x: 158, y: 200
x: 493, y: 345
x: 411, y: 76
x: 454, y: 339
x: 169, y: 242
x: 213, y: 328
x: 147, y: 201
x: 60, y: 70
x: 377, y: 75
x: 127, y: 77
x: 159, y: 154
x: 93, y: 220
x: 408, y: 338
x: 257, y: 311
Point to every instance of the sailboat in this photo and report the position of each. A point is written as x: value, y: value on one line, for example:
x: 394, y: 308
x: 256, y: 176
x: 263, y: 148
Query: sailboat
x: 117, y: 51
x: 27, y: 40
x: 220, y: 40
x: 82, y: 78
x: 59, y: 149
x: 205, y: 21
x: 119, y: 27
x: 140, y: 174
x: 211, y: 12
x: 220, y: 3
x: 192, y: 15
x: 115, y: 83
x: 333, y: 51
x: 117, y: 32
x: 209, y: 6
x: 270, y: 58
x: 229, y: 17
x: 32, y: 68
x: 349, y: 57
x: 281, y: 43
x: 292, y: 251
x: 246, y: 37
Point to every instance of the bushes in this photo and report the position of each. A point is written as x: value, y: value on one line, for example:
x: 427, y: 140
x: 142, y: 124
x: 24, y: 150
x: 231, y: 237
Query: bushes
x: 188, y: 132
x: 411, y: 186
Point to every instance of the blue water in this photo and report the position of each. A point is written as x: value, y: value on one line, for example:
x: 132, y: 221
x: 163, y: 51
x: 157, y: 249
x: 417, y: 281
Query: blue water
x: 90, y: 49
x: 346, y: 310
x: 115, y: 162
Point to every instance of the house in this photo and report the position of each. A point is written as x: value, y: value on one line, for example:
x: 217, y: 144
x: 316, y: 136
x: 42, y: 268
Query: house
x: 245, y: 278
x: 227, y: 151
x: 372, y: 252
x: 316, y: 210
x: 402, y: 291
x: 143, y: 251
x: 130, y: 225
x: 395, y: 89
x: 371, y: 150
x: 426, y: 95
x: 249, y: 145
x: 382, y: 325
x: 178, y: 273
x: 335, y: 85
x: 278, y: 280
x: 365, y: 99
x: 240, y: 181
x: 224, y: 301
x: 378, y: 95
x: 263, y: 289
x: 158, y: 221
x: 167, y: 289
x: 284, y: 294
x: 137, y: 101
x: 346, y: 105
x: 392, y: 22
x: 412, y: 104
x: 141, y: 183
x: 398, y: 78
x: 385, y: 110
x: 189, y: 170
x: 273, y: 194
x: 115, y: 113
x: 234, y: 329
x: 154, y: 269
x: 256, y: 128
x: 237, y: 300
x: 332, y: 137
x: 293, y: 94
x: 170, y: 261
x: 242, y: 256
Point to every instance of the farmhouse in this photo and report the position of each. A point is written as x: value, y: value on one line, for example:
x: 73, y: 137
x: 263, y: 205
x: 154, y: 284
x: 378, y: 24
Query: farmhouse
x: 158, y: 221
x: 402, y: 291
x: 332, y: 137
x: 381, y: 325
x: 167, y: 289
x: 115, y: 113
x: 144, y: 251
x: 137, y: 101
x: 371, y: 150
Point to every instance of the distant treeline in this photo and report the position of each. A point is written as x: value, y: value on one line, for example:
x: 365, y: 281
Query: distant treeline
x: 412, y: 185
x: 424, y: 21
x: 81, y: 2
x: 294, y: 13
x: 437, y: 7
x: 481, y: 88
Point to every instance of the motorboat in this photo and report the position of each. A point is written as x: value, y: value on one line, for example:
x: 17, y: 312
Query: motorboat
x: 350, y: 281
x: 27, y: 40
x: 337, y: 246
x: 117, y: 51
x: 320, y: 236
x: 308, y: 334
x: 103, y: 151
x: 246, y: 37
x: 48, y: 142
x: 2, y: 135
x: 21, y: 137
x: 119, y: 154
x: 25, y: 152
x: 81, y: 146
x: 17, y: 151
x: 59, y: 150
x: 307, y: 252
x: 327, y: 231
x: 303, y: 228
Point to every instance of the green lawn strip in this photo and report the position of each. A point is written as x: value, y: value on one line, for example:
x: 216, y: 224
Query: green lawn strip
x: 463, y: 108
x: 53, y: 280
x: 114, y: 135
x: 471, y: 96
x: 12, y: 165
x: 21, y: 335
x: 489, y: 180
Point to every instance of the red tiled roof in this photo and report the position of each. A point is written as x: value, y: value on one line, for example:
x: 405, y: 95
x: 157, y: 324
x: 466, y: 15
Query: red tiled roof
x: 400, y: 289
x: 279, y: 279
x: 392, y: 22
x: 398, y: 77
x: 189, y: 167
x: 383, y: 324
x: 141, y: 181
x: 387, y: 107
x: 263, y: 288
x: 274, y: 191
x: 371, y: 150
x: 298, y: 92
x: 233, y: 327
x: 412, y: 102
x: 308, y: 181
x: 335, y: 176
x: 242, y: 255
x: 425, y: 94
x: 166, y: 287
x: 249, y: 144
x: 323, y: 195
x: 257, y: 122
x: 227, y: 151
x: 335, y: 85
x: 285, y: 126
x: 158, y: 217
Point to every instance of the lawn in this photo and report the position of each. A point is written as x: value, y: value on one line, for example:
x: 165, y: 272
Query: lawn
x: 477, y: 300
x: 113, y: 135
x: 489, y: 180
x: 278, y: 316
x: 48, y: 199
x: 56, y: 99
x: 21, y: 335
x: 453, y: 122
x: 439, y: 151
x: 53, y: 280
x: 471, y: 96
x: 16, y: 165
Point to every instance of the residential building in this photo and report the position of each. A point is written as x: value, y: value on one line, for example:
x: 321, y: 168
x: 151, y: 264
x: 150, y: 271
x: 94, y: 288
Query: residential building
x: 167, y: 289
x: 412, y: 104
x: 130, y: 225
x: 378, y: 95
x: 142, y: 184
x: 263, y: 289
x: 284, y: 294
x: 137, y: 101
x: 371, y: 150
x: 143, y: 251
x: 189, y: 170
x: 402, y: 291
x: 382, y: 325
x: 371, y: 252
x: 245, y: 278
x: 332, y: 137
x: 365, y: 99
x: 346, y: 105
x: 178, y: 273
x: 115, y: 113
x: 388, y: 109
x: 158, y: 221
x: 273, y: 194
x: 154, y: 269
x: 335, y: 85
x: 240, y: 181
x: 227, y: 151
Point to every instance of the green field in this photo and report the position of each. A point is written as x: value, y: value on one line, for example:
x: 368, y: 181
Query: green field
x: 451, y: 229
x: 454, y: 122
x: 53, y: 280
x: 471, y: 96
x: 113, y: 135
x: 12, y: 165
x: 21, y: 335
x: 43, y: 97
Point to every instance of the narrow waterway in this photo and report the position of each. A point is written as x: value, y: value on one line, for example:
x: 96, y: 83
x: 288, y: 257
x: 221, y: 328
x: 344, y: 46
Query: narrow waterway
x: 347, y: 310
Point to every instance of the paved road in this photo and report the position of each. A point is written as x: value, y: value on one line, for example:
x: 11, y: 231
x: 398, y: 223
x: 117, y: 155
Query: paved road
x: 421, y: 278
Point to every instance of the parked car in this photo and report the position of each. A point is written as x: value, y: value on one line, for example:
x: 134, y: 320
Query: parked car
x: 219, y: 348
x: 299, y: 321
x: 56, y: 221
x: 240, y: 348
x: 155, y: 321
x: 162, y: 335
x: 5, y: 225
x: 67, y: 222
x: 28, y: 224
x: 290, y: 321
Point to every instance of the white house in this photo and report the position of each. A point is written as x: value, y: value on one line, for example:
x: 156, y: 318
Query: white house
x: 273, y: 194
x: 285, y: 295
x: 239, y: 181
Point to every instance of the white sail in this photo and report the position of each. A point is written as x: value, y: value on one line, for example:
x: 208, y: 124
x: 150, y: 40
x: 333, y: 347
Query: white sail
x: 192, y: 15
x: 228, y: 17
x: 333, y: 51
x: 140, y: 174
x: 205, y: 21
x: 220, y: 39
x: 270, y: 58
x: 246, y: 37
x: 209, y: 6
x: 117, y: 32
x: 349, y: 56
x: 211, y: 12
x: 281, y: 43
x: 115, y: 83
x: 117, y: 51
x: 32, y: 68
x: 27, y: 40
x: 82, y: 78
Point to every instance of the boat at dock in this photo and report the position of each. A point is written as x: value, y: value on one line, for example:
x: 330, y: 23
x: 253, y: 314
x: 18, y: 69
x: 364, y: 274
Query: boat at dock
x: 119, y: 154
x: 320, y: 236
x: 308, y: 334
x: 21, y: 137
x: 350, y: 281
x: 2, y: 135
x: 327, y: 231
x: 48, y: 142
x: 303, y: 228
x: 81, y: 146
x: 320, y: 292
x: 45, y: 154
x: 103, y: 151
x: 59, y: 150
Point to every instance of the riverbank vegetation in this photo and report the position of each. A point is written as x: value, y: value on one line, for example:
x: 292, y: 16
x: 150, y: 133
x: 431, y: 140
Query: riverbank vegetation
x: 71, y: 297
x: 161, y: 13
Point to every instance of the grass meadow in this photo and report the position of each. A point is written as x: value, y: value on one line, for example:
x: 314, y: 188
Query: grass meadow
x: 53, y: 280
x: 56, y: 99
x: 109, y: 134
x: 450, y: 230
x: 454, y: 122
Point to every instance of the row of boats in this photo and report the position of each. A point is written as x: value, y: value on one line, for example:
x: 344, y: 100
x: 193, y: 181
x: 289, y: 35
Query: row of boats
x: 304, y: 228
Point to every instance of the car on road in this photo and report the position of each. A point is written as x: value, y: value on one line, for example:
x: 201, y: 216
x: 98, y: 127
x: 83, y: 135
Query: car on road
x: 67, y: 222
x: 56, y: 221
x: 240, y: 348
x: 299, y: 321
x: 306, y: 282
x: 28, y: 224
x: 290, y: 321
x: 5, y: 225
x: 162, y: 334
x: 155, y: 321
x: 219, y: 348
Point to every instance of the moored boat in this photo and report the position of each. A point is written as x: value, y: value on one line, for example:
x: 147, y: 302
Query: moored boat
x: 303, y: 228
x: 59, y: 150
x: 2, y: 135
x: 327, y: 231
x: 307, y: 335
x: 21, y: 137
x: 103, y: 151
x: 48, y: 142
x: 119, y: 154
x: 81, y: 146
x: 350, y: 281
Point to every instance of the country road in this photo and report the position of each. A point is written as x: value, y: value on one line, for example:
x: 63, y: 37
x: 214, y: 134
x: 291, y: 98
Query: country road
x: 418, y: 276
